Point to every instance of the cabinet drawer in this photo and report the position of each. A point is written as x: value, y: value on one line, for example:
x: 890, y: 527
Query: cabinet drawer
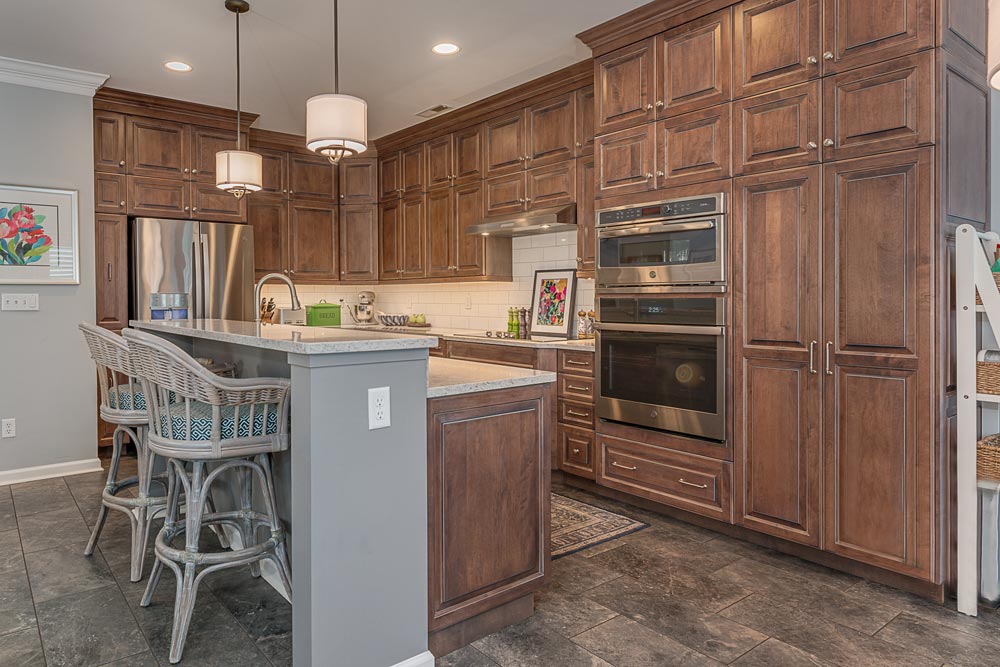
x: 576, y: 363
x: 576, y: 450
x: 580, y: 414
x: 682, y: 480
x: 505, y: 355
x: 576, y: 387
x: 109, y: 193
x: 777, y: 130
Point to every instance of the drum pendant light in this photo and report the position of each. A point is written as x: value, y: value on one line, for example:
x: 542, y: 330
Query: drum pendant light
x: 238, y: 172
x: 336, y: 125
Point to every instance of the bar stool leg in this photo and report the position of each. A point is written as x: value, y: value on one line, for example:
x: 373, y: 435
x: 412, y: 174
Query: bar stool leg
x: 102, y: 514
x: 173, y: 510
x: 280, y: 557
x: 187, y: 591
x: 144, y: 518
x: 248, y: 531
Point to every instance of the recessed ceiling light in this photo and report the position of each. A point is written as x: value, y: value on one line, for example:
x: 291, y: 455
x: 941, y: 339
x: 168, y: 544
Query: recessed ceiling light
x: 445, y: 49
x: 177, y: 66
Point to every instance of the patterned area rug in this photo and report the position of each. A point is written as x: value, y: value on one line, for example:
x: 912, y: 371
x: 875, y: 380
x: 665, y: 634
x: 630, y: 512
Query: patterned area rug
x: 577, y: 526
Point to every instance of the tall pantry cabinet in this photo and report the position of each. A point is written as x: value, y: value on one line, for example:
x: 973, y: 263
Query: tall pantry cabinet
x: 856, y: 135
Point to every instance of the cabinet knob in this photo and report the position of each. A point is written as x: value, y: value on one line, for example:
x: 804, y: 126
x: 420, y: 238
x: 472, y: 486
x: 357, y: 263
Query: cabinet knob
x: 649, y: 176
x: 576, y: 450
x: 121, y: 203
x: 121, y: 163
x: 812, y: 60
x: 649, y: 107
x: 527, y: 199
x: 811, y: 145
x: 520, y: 158
x: 194, y: 171
x: 194, y: 208
x: 291, y: 192
x: 291, y: 270
x: 660, y: 174
x: 579, y: 259
x: 285, y: 271
x: 659, y: 104
x: 342, y: 196
x: 285, y: 190
x: 342, y: 272
x: 520, y: 200
x: 828, y: 142
x: 185, y: 170
x: 187, y: 208
x: 579, y: 145
x: 828, y: 55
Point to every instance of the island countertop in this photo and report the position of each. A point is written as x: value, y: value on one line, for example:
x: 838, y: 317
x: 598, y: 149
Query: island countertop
x: 476, y: 336
x: 448, y: 377
x: 287, y: 338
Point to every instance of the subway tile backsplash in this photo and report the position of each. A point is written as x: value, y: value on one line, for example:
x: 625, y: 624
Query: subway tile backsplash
x: 476, y: 305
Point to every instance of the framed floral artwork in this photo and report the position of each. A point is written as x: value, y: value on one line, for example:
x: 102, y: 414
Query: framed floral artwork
x: 39, y: 236
x: 552, y: 303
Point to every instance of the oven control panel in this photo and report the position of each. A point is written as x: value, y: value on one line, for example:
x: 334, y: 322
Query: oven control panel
x: 675, y: 208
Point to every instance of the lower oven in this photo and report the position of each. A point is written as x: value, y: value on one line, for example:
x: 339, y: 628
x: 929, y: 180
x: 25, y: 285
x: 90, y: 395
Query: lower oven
x: 661, y: 363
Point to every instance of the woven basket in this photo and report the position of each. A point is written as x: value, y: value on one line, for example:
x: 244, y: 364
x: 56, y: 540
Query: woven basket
x: 988, y: 458
x: 988, y: 377
x: 996, y: 279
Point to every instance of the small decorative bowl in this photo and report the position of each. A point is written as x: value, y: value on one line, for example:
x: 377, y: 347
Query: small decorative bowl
x: 394, y: 320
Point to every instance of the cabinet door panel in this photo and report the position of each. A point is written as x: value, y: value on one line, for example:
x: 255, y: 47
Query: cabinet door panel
x: 695, y: 65
x: 205, y: 143
x: 576, y: 450
x: 158, y: 197
x: 111, y: 244
x: 390, y: 240
x: 358, y: 181
x: 775, y: 44
x: 388, y: 176
x: 311, y: 178
x: 777, y: 130
x: 312, y: 241
x: 359, y: 242
x: 861, y: 32
x: 963, y: 156
x: 413, y: 216
x: 413, y: 179
x: 505, y: 144
x: 469, y: 154
x: 554, y: 185
x: 210, y: 203
x: 109, y: 142
x: 440, y: 167
x: 469, y: 211
x: 274, y: 168
x: 109, y: 193
x: 585, y: 121
x: 269, y: 218
x: 625, y: 83
x: 625, y: 161
x: 586, y: 239
x: 505, y: 194
x: 441, y: 233
x: 880, y: 108
x: 551, y: 131
x: 963, y: 29
x: 694, y: 147
x: 157, y: 148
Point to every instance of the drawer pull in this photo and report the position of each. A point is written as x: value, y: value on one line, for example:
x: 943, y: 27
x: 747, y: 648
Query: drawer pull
x: 576, y: 450
x: 574, y: 362
x: 576, y: 387
x: 687, y: 483
x: 577, y: 414
x: 619, y: 465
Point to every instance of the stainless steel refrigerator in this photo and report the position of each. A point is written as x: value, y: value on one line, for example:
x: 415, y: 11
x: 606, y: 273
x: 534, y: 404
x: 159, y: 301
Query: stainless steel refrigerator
x: 185, y: 269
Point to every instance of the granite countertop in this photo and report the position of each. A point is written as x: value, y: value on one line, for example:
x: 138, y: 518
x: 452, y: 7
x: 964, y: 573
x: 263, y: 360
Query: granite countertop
x: 448, y: 377
x: 476, y: 336
x: 287, y: 338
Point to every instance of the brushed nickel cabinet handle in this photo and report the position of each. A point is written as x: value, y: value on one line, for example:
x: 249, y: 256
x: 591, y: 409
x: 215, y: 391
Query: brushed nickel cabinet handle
x: 187, y: 208
x: 812, y: 354
x: 828, y: 55
x: 811, y: 145
x: 575, y: 413
x: 574, y: 362
x: 109, y: 272
x: 659, y: 104
x: 619, y: 465
x: 829, y: 370
x: 579, y: 145
x: 194, y: 208
x: 649, y: 107
x: 649, y: 176
x: 576, y: 450
x: 121, y: 163
x: 687, y: 483
x: 186, y: 170
x: 660, y: 174
x: 579, y: 259
x: 121, y: 203
x: 812, y: 60
x: 194, y: 171
x: 828, y: 142
x: 576, y: 387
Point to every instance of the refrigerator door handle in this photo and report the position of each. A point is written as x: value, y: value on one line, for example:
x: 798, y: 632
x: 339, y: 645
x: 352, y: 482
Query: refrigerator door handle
x: 199, y: 279
x: 204, y: 276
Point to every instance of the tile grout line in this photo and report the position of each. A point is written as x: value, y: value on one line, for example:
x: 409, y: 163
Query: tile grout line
x: 24, y: 562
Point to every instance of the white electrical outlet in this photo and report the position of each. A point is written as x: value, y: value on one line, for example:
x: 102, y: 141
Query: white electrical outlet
x: 378, y: 408
x: 468, y: 302
x: 19, y: 301
x: 8, y: 428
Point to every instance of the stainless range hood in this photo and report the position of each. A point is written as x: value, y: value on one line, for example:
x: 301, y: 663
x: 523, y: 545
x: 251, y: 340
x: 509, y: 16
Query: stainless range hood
x: 528, y: 223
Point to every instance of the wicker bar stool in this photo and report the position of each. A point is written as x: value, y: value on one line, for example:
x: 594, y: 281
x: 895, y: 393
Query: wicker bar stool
x: 124, y: 405
x: 198, y: 418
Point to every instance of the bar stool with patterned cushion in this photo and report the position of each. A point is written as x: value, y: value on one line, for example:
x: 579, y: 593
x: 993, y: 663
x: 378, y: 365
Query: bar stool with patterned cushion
x: 198, y: 418
x: 124, y: 405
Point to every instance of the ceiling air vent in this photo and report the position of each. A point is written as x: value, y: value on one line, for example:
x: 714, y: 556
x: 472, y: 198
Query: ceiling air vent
x: 434, y: 110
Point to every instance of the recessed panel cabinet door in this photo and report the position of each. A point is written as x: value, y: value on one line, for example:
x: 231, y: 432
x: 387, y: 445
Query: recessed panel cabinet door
x: 358, y: 181
x: 625, y: 83
x: 359, y: 242
x: 269, y: 218
x: 390, y: 233
x: 626, y: 160
x: 158, y: 197
x: 505, y: 194
x: 312, y: 241
x: 469, y: 211
x: 694, y: 147
x: 111, y: 243
x: 440, y: 233
x: 274, y: 167
x: 210, y: 203
x: 861, y: 32
x: 505, y: 139
x: 586, y: 240
x: 694, y: 65
x: 468, y: 147
x: 777, y: 130
x: 413, y: 212
x: 311, y: 177
x: 388, y: 176
x: 776, y: 43
x: 440, y: 165
x: 157, y: 148
x: 412, y: 170
x: 109, y: 142
x: 205, y: 143
x: 109, y: 193
x: 554, y: 185
x: 585, y: 121
x: 551, y: 131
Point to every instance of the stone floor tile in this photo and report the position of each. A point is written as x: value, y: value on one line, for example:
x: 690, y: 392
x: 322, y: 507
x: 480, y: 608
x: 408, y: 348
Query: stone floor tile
x: 262, y: 611
x: 88, y: 629
x: 625, y: 643
x: 468, y: 656
x: 574, y: 574
x: 17, y: 611
x: 215, y: 640
x: 937, y: 641
x: 65, y: 570
x: 775, y: 653
x: 45, y: 530
x: 10, y: 551
x: 532, y: 644
x: 707, y: 633
x: 41, y: 496
x: 569, y: 615
x: 278, y: 650
x: 142, y: 660
x: 23, y: 649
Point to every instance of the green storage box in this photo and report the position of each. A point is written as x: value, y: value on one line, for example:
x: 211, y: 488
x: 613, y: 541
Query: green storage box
x: 323, y: 314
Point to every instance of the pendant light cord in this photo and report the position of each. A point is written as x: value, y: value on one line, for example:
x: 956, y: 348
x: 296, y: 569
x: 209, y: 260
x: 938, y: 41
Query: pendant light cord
x: 237, y: 80
x: 336, y: 50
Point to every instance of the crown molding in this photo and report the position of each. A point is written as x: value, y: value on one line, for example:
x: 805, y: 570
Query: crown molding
x: 645, y: 21
x: 50, y: 77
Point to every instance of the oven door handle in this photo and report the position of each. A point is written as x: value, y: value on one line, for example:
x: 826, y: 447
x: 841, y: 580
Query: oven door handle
x: 633, y: 230
x: 660, y: 328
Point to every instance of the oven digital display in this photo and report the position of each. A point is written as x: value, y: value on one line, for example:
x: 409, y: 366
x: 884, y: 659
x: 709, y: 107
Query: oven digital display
x: 651, y: 210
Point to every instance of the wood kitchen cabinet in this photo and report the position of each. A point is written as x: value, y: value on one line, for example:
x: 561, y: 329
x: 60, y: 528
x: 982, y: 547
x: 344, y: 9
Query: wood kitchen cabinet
x: 205, y: 143
x: 109, y: 193
x: 586, y: 237
x: 358, y: 181
x: 359, y: 243
x: 311, y: 177
x: 269, y: 218
x: 441, y: 233
x: 860, y: 32
x: 625, y: 161
x: 158, y: 197
x: 505, y: 142
x: 777, y: 130
x: 468, y: 154
x: 694, y: 65
x: 390, y: 239
x: 551, y: 131
x: 544, y: 187
x: 402, y: 227
x: 440, y: 162
x: 312, y: 241
x: 776, y: 43
x: 412, y: 174
x: 111, y: 243
x: 274, y: 172
x: 109, y: 142
x: 389, y: 177
x: 471, y: 250
x: 693, y: 147
x: 585, y: 121
x: 505, y: 194
x: 624, y: 87
x: 158, y: 148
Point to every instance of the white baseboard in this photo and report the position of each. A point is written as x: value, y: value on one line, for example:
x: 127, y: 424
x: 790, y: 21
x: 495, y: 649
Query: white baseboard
x: 425, y: 659
x: 49, y: 471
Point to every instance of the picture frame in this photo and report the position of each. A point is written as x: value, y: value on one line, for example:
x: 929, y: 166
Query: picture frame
x: 39, y: 236
x: 552, y: 302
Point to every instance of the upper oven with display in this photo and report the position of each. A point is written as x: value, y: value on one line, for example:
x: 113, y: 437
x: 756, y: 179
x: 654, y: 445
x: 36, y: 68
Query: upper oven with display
x: 676, y: 242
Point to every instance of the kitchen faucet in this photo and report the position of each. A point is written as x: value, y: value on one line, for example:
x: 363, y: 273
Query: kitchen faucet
x: 296, y: 305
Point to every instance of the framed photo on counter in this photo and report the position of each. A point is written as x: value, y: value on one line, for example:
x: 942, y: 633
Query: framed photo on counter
x: 552, y: 301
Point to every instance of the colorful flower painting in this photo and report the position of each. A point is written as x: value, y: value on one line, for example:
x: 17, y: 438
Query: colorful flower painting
x: 552, y: 302
x: 23, y: 240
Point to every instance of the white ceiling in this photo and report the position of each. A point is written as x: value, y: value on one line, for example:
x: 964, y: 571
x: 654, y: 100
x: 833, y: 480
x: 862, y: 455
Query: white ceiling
x: 287, y: 49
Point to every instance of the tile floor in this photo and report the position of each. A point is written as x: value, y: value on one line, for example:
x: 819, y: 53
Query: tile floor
x: 672, y: 594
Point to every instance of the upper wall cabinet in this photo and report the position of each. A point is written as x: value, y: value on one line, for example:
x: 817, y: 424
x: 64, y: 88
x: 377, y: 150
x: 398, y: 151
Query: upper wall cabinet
x: 776, y: 43
x: 311, y: 177
x: 440, y: 162
x: 157, y: 148
x: 861, y: 32
x: 412, y: 172
x: 585, y: 121
x: 388, y: 177
x: 109, y: 142
x: 205, y: 143
x: 274, y: 171
x: 468, y: 154
x: 358, y: 180
x: 506, y: 144
x: 777, y: 129
x: 551, y: 131
x: 625, y: 84
x: 694, y: 65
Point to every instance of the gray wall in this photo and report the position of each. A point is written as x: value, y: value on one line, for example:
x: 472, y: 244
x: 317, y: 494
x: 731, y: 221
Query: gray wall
x: 47, y: 380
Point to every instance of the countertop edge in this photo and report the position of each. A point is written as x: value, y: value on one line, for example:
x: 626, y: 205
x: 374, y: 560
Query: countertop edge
x: 489, y: 385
